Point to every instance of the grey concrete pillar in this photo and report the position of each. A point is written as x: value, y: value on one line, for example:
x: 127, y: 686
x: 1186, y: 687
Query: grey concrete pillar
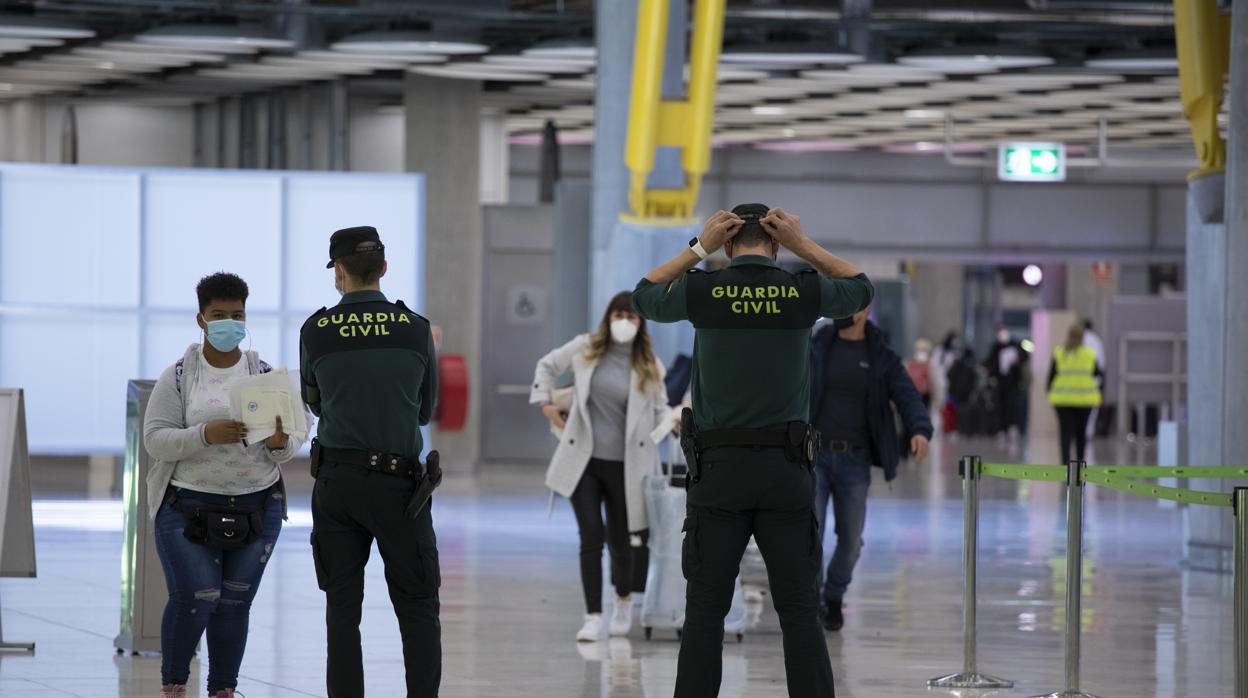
x: 443, y: 141
x: 938, y: 293
x: 1053, y: 287
x: 1217, y: 254
x: 615, y: 30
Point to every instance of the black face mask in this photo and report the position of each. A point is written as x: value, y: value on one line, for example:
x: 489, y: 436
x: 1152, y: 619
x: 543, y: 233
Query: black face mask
x: 843, y: 323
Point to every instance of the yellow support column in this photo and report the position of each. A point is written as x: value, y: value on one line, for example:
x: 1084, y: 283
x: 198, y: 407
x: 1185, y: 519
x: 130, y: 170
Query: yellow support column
x: 686, y: 124
x: 1201, y: 34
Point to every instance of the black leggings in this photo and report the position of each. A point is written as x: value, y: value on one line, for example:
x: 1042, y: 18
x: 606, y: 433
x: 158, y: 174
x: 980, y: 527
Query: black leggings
x: 1073, y: 427
x: 603, y: 483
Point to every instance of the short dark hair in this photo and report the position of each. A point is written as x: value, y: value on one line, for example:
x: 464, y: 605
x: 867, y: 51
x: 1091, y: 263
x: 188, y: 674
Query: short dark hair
x: 221, y: 286
x: 1087, y: 325
x: 364, y: 267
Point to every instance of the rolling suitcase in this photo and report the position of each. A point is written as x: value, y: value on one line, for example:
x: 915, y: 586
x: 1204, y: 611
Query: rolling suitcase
x: 664, y: 605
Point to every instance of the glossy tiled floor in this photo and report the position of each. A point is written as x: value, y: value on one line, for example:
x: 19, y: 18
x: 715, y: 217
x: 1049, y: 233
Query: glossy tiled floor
x: 511, y: 603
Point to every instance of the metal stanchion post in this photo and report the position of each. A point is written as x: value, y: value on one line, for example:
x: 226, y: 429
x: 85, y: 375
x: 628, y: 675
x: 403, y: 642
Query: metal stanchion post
x: 970, y: 676
x: 1074, y: 580
x: 1241, y: 592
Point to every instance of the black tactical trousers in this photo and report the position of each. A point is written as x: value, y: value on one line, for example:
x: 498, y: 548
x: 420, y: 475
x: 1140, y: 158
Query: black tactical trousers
x: 757, y: 492
x: 350, y: 508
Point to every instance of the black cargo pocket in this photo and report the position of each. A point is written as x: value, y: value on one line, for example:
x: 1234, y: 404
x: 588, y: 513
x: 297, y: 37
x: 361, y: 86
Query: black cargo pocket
x: 430, y: 570
x: 322, y: 579
x: 691, y: 550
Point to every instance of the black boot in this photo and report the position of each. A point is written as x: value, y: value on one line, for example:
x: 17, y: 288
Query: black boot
x: 832, y: 617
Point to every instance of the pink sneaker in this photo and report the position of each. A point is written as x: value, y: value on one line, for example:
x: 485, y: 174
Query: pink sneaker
x: 171, y: 690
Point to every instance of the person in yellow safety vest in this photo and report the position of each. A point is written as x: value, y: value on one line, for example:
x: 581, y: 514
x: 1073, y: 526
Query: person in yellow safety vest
x: 1074, y: 390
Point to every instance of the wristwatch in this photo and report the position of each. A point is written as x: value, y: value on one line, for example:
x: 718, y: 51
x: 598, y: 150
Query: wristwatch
x: 696, y: 246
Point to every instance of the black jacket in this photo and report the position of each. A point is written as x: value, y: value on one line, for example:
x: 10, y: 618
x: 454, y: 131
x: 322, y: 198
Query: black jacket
x: 889, y: 383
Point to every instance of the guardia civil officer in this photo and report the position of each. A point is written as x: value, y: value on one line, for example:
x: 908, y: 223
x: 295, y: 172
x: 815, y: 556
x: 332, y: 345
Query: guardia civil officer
x: 748, y: 442
x: 369, y: 373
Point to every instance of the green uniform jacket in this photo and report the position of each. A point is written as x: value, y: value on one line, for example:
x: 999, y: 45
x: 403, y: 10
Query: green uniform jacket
x: 369, y: 372
x: 751, y: 351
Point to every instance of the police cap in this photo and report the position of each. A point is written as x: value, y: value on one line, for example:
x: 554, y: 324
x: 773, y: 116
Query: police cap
x: 751, y: 214
x: 349, y: 241
x: 751, y: 211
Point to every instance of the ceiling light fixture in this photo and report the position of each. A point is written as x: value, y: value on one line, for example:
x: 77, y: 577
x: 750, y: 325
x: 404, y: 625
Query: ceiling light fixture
x: 22, y: 26
x: 925, y: 114
x: 975, y: 59
x: 482, y: 72
x: 214, y: 37
x: 769, y: 110
x: 563, y: 48
x: 797, y: 54
x: 408, y: 42
x: 1148, y: 61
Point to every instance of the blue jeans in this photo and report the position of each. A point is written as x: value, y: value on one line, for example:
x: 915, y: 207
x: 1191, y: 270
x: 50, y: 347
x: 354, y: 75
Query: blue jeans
x: 844, y: 478
x: 210, y: 589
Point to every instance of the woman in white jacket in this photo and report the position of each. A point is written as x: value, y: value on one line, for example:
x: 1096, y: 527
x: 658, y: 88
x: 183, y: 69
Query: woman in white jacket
x: 607, y: 444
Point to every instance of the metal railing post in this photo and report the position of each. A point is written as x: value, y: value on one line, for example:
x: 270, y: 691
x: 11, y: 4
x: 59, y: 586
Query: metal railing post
x: 1074, y: 580
x: 970, y: 676
x: 1241, y: 592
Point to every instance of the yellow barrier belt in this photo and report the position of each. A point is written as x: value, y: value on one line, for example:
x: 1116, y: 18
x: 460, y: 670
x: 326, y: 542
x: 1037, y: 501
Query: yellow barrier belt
x: 1044, y: 473
x: 1211, y: 472
x: 1123, y: 484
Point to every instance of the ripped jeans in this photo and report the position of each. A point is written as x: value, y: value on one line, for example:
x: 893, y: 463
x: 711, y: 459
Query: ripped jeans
x: 210, y: 589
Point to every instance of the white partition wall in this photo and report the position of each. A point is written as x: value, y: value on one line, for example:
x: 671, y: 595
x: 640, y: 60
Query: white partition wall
x: 98, y: 268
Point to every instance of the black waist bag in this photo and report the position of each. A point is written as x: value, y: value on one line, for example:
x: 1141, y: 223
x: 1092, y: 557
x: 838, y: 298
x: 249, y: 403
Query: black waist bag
x: 223, y: 528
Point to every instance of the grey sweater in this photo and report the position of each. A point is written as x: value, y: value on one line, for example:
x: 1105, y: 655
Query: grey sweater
x: 608, y: 401
x: 166, y: 436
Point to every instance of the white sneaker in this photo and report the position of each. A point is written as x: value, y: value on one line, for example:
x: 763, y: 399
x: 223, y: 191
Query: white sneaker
x: 592, y: 630
x: 622, y: 619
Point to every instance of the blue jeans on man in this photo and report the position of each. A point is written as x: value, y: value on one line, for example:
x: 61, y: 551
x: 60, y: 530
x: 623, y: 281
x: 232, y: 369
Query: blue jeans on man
x: 843, y: 477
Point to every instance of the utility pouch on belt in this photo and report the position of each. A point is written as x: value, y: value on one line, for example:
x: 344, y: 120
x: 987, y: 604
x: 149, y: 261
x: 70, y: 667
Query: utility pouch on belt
x: 689, y: 444
x: 425, y: 485
x: 803, y: 443
x: 224, y: 528
x: 316, y: 457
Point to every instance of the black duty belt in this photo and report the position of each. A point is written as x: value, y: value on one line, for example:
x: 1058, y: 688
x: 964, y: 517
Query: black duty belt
x: 386, y: 463
x: 743, y: 438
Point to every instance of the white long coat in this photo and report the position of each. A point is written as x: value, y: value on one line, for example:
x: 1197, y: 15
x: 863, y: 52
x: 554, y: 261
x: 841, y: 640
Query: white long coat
x: 648, y: 420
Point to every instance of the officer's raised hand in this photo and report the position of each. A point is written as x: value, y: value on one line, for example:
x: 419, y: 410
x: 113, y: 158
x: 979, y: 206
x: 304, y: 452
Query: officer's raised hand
x: 784, y: 227
x: 718, y: 229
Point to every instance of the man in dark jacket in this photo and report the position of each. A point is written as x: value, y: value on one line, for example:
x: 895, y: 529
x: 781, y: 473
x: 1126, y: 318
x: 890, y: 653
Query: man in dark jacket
x: 855, y: 380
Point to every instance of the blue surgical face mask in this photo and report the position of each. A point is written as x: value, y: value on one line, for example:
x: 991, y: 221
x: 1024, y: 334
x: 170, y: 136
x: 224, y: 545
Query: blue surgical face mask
x: 226, y: 335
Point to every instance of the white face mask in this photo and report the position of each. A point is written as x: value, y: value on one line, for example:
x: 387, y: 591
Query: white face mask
x: 623, y: 331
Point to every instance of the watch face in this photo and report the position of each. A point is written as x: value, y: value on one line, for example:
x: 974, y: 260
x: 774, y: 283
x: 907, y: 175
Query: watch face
x: 693, y: 241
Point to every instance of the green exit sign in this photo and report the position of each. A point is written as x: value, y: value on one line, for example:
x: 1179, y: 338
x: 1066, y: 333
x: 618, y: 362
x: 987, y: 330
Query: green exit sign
x: 1031, y: 162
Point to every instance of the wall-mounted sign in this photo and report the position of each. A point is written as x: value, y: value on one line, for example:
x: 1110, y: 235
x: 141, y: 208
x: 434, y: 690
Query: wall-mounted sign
x: 1031, y: 162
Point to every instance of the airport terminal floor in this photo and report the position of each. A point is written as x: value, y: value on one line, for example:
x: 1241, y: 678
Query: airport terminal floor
x: 512, y: 601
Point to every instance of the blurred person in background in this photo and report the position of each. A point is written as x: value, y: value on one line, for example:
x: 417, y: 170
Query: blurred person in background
x: 856, y: 380
x: 1093, y: 341
x: 605, y: 449
x: 205, y: 465
x: 943, y: 358
x: 1007, y: 366
x: 962, y: 381
x: 918, y: 367
x: 1074, y: 390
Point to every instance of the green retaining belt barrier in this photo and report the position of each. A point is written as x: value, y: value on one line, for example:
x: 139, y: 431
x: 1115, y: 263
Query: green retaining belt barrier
x: 1043, y: 473
x: 1120, y: 478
